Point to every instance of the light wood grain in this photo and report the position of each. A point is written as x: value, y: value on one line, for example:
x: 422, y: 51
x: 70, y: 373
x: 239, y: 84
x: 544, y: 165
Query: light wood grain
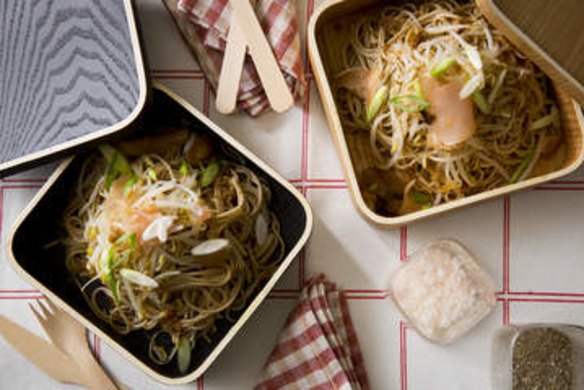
x: 41, y: 353
x: 71, y: 337
x: 67, y: 69
x: 231, y: 69
x: 324, y: 33
x: 269, y: 72
x: 551, y: 33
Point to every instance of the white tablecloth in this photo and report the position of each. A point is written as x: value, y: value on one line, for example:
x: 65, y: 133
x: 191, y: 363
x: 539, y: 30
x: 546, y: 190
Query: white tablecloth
x: 531, y: 244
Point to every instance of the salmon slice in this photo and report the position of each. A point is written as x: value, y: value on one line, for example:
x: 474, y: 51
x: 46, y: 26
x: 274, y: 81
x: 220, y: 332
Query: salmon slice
x: 120, y: 212
x: 454, y: 120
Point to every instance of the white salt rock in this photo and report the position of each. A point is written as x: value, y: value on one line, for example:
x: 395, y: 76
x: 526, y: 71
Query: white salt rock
x: 442, y: 291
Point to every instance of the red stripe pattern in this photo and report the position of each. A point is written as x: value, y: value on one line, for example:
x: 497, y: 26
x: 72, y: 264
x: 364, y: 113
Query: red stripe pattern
x: 204, y: 25
x: 318, y: 347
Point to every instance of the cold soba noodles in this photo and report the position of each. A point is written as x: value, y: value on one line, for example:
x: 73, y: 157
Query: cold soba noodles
x: 450, y: 108
x: 170, y: 242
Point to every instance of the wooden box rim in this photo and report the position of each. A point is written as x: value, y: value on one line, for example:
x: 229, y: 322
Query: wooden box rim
x: 552, y: 67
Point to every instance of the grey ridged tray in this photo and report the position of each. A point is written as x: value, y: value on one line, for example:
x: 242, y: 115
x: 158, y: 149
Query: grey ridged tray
x: 71, y: 72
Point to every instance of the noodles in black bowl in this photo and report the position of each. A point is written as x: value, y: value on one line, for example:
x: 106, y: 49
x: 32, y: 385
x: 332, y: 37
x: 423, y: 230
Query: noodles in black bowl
x: 163, y: 243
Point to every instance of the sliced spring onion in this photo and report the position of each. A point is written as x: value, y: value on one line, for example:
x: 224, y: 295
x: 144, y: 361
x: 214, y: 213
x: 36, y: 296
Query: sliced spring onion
x: 138, y: 278
x: 548, y: 120
x: 375, y: 104
x: 121, y: 260
x: 115, y: 287
x: 523, y: 166
x: 471, y: 86
x: 210, y: 246
x: 130, y: 238
x: 117, y: 164
x: 421, y: 198
x: 151, y: 173
x: 184, y: 168
x: 210, y: 174
x: 115, y: 158
x: 373, y: 187
x: 160, y: 353
x: 409, y: 103
x: 418, y: 89
x: 107, y: 260
x: 442, y: 66
x: 479, y: 99
x: 130, y: 183
x: 110, y: 176
x: 183, y: 354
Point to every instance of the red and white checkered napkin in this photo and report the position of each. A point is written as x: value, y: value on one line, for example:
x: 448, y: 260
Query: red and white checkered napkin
x: 204, y: 25
x: 318, y: 347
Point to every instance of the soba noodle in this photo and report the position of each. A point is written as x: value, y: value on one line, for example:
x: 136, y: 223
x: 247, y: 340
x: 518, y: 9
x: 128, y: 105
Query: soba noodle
x: 390, y: 64
x: 169, y: 246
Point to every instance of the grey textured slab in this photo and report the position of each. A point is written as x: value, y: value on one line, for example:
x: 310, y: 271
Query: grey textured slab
x: 67, y: 70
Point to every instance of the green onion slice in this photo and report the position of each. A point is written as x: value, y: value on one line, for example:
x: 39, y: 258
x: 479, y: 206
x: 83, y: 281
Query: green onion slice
x: 548, y: 120
x: 151, y: 173
x: 418, y: 89
x: 130, y: 238
x: 117, y: 164
x: 409, y: 103
x: 479, y: 99
x: 523, y: 166
x: 130, y: 183
x: 183, y: 354
x: 375, y: 104
x: 184, y: 168
x: 210, y: 174
x: 442, y: 66
x: 107, y: 263
x: 421, y: 198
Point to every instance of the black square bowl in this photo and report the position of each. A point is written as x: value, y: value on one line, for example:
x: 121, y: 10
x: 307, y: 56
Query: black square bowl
x: 44, y: 267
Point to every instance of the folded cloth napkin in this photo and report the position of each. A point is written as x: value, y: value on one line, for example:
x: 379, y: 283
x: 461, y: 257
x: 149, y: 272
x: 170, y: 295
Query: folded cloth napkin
x: 318, y: 347
x: 204, y: 25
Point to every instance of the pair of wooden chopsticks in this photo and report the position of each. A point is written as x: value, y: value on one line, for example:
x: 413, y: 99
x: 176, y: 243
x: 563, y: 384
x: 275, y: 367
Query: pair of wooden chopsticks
x: 246, y: 33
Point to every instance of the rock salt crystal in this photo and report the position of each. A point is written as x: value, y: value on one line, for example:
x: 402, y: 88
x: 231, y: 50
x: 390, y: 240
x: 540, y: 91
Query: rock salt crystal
x: 442, y: 291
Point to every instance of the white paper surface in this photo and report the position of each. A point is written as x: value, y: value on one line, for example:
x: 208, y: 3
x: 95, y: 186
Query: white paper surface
x: 531, y: 244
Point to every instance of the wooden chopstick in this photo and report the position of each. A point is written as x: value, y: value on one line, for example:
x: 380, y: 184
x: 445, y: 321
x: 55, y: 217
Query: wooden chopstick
x: 231, y: 69
x: 269, y: 71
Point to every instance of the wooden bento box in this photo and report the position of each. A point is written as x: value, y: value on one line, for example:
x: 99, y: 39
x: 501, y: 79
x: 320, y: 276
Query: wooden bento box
x: 44, y: 266
x: 354, y: 153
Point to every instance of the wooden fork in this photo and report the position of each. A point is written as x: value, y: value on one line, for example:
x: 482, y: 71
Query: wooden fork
x: 69, y: 335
